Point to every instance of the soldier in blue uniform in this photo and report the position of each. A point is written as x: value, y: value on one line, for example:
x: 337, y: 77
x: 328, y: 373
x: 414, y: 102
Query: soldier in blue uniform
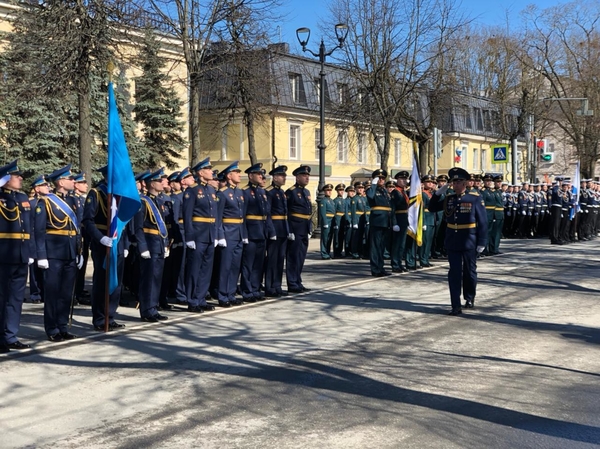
x: 36, y: 275
x: 232, y: 235
x: 338, y: 225
x: 380, y: 206
x: 466, y: 235
x: 299, y: 219
x: 201, y: 222
x: 95, y: 222
x: 151, y: 234
x: 79, y: 194
x: 327, y: 209
x: 276, y: 248
x: 176, y: 261
x: 400, y: 203
x: 17, y: 249
x: 258, y: 229
x: 58, y: 246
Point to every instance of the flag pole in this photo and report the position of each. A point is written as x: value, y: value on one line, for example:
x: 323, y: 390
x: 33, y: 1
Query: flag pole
x: 107, y: 258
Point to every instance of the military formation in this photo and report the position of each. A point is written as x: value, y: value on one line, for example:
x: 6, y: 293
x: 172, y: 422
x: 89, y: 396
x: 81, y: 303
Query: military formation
x: 200, y: 235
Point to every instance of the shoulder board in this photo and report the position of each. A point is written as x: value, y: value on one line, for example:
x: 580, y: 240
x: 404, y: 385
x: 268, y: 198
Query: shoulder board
x: 222, y: 189
x: 268, y: 189
x: 246, y: 187
x: 474, y: 193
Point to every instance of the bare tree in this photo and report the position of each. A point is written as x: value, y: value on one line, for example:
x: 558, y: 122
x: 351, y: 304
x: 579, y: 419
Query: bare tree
x: 193, y: 23
x: 563, y: 47
x: 395, y: 49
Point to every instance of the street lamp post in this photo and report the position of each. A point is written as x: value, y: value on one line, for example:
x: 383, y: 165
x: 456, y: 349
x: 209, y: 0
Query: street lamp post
x: 303, y: 35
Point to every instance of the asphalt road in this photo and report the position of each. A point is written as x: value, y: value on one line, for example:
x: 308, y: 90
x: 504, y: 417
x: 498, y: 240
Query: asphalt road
x: 358, y: 362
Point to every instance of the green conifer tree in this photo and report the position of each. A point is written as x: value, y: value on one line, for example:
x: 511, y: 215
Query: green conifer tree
x: 157, y: 108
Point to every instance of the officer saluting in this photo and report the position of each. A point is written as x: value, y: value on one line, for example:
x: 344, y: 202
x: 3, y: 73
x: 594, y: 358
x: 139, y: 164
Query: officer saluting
x: 16, y: 247
x: 466, y: 236
x: 299, y: 220
x: 379, y: 221
x: 58, y: 245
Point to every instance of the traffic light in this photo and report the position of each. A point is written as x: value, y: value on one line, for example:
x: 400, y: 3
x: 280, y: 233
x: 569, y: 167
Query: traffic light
x: 542, y: 146
x: 548, y: 157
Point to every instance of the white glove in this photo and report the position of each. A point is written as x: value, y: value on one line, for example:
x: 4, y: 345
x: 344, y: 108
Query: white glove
x: 191, y: 245
x: 273, y: 238
x: 374, y: 181
x: 310, y: 235
x: 291, y: 237
x: 424, y: 227
x: 524, y: 213
x: 216, y: 243
x: 43, y: 264
x: 355, y: 226
x: 396, y: 228
x: 587, y: 211
x: 336, y: 227
x: 125, y: 253
x: 106, y: 241
x: 145, y: 255
x: 442, y: 190
x: 480, y: 249
x: 245, y: 241
x: 223, y: 243
x: 167, y: 252
x: 325, y: 226
x: 30, y: 261
x: 79, y: 260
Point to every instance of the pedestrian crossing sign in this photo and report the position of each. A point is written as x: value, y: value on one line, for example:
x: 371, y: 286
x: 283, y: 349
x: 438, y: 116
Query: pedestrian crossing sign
x: 499, y: 154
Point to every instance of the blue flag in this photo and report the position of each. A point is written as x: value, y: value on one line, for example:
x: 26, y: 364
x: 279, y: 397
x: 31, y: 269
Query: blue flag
x: 121, y: 183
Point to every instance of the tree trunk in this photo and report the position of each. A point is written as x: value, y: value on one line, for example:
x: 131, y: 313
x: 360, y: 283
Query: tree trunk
x: 249, y: 119
x: 423, y: 157
x: 194, y: 120
x: 85, y: 136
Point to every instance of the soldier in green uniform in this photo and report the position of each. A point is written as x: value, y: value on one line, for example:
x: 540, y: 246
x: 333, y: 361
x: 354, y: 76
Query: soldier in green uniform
x: 351, y: 219
x: 326, y: 218
x: 338, y: 221
x: 360, y: 234
x: 489, y: 200
x: 400, y: 202
x: 379, y: 222
x: 496, y: 235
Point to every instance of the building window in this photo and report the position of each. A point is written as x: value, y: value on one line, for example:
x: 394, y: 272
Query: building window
x: 467, y: 113
x: 362, y: 149
x: 294, y: 141
x: 397, y: 151
x: 487, y: 120
x: 317, y: 142
x: 484, y: 160
x: 475, y: 159
x: 295, y: 86
x: 478, y: 118
x: 343, y: 93
x: 342, y: 153
x: 224, y: 143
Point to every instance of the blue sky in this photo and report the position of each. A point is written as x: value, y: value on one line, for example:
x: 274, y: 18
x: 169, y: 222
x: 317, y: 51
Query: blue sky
x: 310, y: 13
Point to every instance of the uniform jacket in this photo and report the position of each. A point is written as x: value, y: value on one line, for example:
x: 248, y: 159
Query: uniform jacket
x: 232, y: 208
x: 278, y: 209
x: 17, y: 243
x: 466, y: 218
x: 380, y: 205
x: 340, y: 210
x: 257, y: 219
x: 400, y: 203
x: 57, y: 236
x: 200, y: 214
x: 149, y: 226
x: 299, y: 210
x: 327, y: 211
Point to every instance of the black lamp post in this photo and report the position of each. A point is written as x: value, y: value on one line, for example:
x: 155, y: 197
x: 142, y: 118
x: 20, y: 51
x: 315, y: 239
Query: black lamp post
x: 303, y: 35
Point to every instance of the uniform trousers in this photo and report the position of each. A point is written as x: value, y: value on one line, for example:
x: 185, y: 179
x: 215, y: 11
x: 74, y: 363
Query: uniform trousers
x: 253, y: 260
x: 462, y: 275
x: 199, y: 268
x: 229, y: 270
x: 326, y: 237
x: 377, y: 237
x: 36, y: 282
x: 274, y: 265
x: 425, y: 248
x: 99, y: 288
x: 398, y: 245
x: 80, y: 279
x: 59, y: 285
x: 296, y: 256
x: 13, y: 280
x: 173, y: 267
x: 556, y: 214
x: 151, y: 271
x: 497, y: 226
